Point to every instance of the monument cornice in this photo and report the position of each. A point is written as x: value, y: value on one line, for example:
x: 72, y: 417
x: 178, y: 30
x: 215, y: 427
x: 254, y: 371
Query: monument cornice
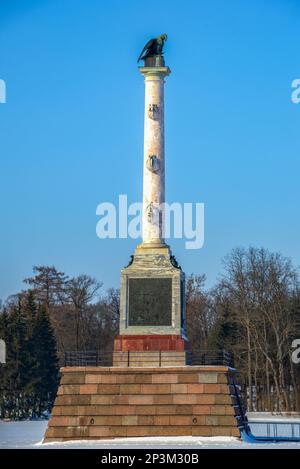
x: 155, y: 72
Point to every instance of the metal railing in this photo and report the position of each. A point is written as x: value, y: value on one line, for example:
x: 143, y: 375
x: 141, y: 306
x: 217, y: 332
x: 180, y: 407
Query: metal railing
x: 153, y: 357
x: 88, y: 358
x: 275, y: 429
x: 210, y: 357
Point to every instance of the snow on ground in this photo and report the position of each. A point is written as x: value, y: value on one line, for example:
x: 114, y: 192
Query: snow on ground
x: 29, y: 434
x: 21, y: 434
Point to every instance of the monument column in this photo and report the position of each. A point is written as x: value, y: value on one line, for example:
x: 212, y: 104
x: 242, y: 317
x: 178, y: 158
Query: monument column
x: 154, y: 156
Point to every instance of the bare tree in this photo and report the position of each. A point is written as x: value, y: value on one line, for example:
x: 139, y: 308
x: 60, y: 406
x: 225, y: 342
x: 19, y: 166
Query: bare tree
x: 48, y: 285
x: 199, y: 314
x: 81, y: 291
x: 258, y: 286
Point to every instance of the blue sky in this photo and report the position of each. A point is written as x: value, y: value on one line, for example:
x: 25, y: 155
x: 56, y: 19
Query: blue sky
x: 71, y: 132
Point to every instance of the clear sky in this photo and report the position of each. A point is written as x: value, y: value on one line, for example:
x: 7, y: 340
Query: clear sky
x: 71, y: 132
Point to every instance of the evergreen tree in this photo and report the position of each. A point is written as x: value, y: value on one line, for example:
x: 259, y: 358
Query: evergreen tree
x: 30, y: 377
x: 14, y: 376
x: 29, y: 372
x: 46, y: 361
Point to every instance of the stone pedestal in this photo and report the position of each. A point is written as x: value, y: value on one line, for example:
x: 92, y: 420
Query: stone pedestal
x: 100, y: 403
x: 152, y: 310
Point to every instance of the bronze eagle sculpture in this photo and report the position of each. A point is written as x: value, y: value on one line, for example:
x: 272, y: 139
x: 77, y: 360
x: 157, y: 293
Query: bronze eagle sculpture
x: 153, y: 47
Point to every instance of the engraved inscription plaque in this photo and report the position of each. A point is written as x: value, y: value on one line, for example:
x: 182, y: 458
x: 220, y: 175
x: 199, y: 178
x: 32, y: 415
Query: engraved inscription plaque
x: 150, y: 302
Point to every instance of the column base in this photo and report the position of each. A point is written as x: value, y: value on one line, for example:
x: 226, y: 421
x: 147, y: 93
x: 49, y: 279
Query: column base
x: 153, y: 244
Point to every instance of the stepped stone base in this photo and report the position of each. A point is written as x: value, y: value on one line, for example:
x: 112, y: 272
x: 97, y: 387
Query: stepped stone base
x: 109, y: 402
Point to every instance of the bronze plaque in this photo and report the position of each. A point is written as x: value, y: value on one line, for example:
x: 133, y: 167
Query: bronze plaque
x: 150, y: 302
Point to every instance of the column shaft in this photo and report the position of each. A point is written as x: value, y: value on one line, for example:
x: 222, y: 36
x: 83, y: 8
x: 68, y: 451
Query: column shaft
x: 154, y: 156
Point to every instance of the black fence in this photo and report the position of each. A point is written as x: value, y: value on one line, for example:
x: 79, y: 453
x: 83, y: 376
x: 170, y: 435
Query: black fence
x: 153, y: 358
x: 210, y: 357
x: 21, y: 405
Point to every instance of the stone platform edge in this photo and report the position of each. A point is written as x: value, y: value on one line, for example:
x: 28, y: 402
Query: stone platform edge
x: 156, y: 369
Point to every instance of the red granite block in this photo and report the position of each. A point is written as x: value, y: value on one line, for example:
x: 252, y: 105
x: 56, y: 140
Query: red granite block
x: 150, y: 342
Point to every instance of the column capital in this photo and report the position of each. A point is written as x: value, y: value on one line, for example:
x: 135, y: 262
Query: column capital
x: 154, y: 73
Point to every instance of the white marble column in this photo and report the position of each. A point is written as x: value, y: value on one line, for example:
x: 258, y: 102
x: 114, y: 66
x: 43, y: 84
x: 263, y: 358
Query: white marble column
x: 154, y: 156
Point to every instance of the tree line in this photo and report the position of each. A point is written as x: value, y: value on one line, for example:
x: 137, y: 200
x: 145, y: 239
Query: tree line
x: 28, y: 381
x: 53, y: 315
x: 253, y: 312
